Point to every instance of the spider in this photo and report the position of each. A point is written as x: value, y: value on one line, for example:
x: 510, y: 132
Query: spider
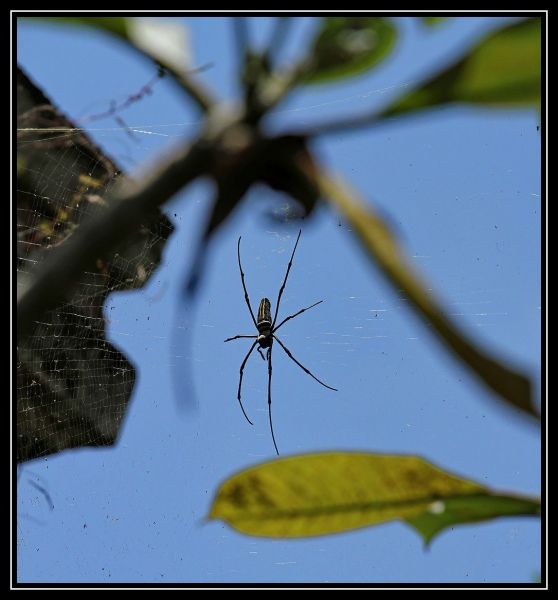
x: 266, y: 334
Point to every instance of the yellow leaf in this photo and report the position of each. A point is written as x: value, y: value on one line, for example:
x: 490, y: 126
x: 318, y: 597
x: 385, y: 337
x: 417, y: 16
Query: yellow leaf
x: 318, y: 494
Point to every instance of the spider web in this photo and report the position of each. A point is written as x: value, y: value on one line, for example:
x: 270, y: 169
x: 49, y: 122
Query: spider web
x: 73, y: 385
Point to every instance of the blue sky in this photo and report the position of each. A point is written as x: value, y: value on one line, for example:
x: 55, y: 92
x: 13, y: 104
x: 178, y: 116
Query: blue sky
x: 462, y: 188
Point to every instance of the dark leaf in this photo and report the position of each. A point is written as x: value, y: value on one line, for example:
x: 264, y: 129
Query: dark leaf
x: 73, y: 385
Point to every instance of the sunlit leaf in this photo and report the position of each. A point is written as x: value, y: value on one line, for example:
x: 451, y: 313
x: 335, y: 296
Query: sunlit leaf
x: 318, y: 494
x: 382, y: 246
x: 165, y: 41
x: 504, y: 69
x: 348, y: 46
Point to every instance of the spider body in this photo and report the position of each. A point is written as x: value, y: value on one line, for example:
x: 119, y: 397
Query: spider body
x: 264, y: 324
x: 267, y: 327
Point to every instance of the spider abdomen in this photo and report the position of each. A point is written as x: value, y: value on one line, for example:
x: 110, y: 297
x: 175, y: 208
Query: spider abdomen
x: 264, y: 315
x: 264, y: 323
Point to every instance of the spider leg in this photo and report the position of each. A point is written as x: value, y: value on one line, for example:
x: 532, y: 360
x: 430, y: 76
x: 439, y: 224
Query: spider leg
x: 301, y: 365
x: 244, y: 284
x: 240, y: 382
x: 260, y: 351
x: 296, y: 314
x: 236, y: 337
x: 285, y: 280
x: 269, y: 370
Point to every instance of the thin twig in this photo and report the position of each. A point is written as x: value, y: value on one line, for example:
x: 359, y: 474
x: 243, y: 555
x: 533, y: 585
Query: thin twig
x: 186, y: 81
x: 145, y: 90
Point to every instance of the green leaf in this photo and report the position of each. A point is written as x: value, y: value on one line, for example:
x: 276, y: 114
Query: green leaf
x: 503, y: 70
x: 348, y: 46
x: 317, y: 494
x: 472, y: 509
